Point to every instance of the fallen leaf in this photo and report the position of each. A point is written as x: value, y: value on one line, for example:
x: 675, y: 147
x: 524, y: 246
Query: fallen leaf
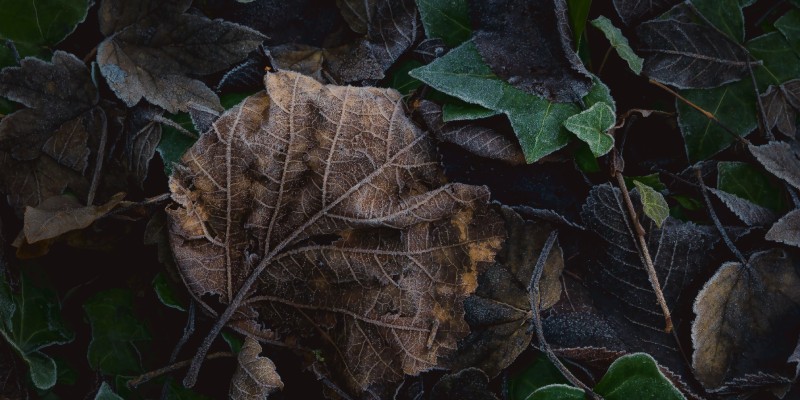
x: 751, y: 214
x: 152, y: 48
x: 778, y: 111
x: 467, y: 384
x: 749, y: 385
x: 528, y: 44
x: 336, y: 200
x: 142, y: 139
x: 780, y: 159
x: 61, y: 214
x: 743, y: 313
x: 255, y: 377
x: 633, y: 11
x: 751, y: 183
x: 786, y: 230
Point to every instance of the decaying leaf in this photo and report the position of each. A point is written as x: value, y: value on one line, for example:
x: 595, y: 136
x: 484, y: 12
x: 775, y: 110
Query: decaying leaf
x: 781, y: 160
x: 689, y: 55
x: 152, y: 48
x: 499, y: 313
x: 335, y: 199
x: 255, y: 377
x: 141, y: 141
x: 61, y: 214
x: 479, y: 140
x: 748, y: 385
x: 743, y: 314
x: 779, y: 112
x: 786, y: 230
x: 527, y: 43
x: 750, y: 213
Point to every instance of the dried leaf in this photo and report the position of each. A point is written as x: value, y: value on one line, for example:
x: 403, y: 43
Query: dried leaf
x: 743, y: 313
x: 778, y: 111
x: 255, y: 377
x: 61, y: 214
x: 527, y: 43
x: 751, y: 214
x: 304, y: 59
x: 152, y: 48
x: 479, y: 140
x: 467, y: 384
x: 633, y: 11
x: 780, y: 159
x: 337, y: 198
x: 750, y: 384
x: 786, y: 230
x: 142, y: 139
x: 689, y: 55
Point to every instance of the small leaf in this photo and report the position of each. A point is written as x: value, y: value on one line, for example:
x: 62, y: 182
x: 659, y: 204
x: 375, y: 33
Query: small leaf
x: 255, y: 377
x: 445, y: 19
x: 653, y: 203
x: 636, y: 376
x: 166, y: 293
x: 592, y: 125
x: 536, y: 122
x: 61, y: 214
x: 779, y: 111
x: 106, y: 393
x: 652, y: 180
x: 43, y: 369
x: 781, y: 160
x: 116, y: 333
x: 786, y: 230
x: 619, y: 43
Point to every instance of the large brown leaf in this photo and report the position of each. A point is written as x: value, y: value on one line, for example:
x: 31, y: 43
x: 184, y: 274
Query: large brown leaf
x: 337, y: 199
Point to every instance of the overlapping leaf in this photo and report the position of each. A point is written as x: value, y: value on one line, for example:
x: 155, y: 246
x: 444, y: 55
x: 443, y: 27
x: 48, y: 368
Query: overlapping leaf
x: 786, y: 230
x: 336, y: 199
x: 633, y: 11
x: 152, y: 48
x: 255, y: 377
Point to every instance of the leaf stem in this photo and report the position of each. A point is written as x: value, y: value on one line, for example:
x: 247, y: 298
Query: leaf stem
x: 717, y: 223
x: 172, y: 367
x: 98, y: 166
x: 644, y: 252
x: 535, y: 300
x: 605, y: 58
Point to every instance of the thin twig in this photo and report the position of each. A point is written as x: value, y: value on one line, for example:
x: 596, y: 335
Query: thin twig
x: 717, y: 223
x: 644, y: 252
x: 172, y: 367
x: 705, y: 113
x: 533, y: 291
x: 98, y: 167
x: 188, y: 330
x: 90, y: 56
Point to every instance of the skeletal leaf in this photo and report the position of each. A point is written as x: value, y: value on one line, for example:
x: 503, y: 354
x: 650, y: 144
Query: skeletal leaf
x: 786, y: 230
x: 619, y: 43
x: 335, y: 199
x: 743, y: 313
x: 689, y: 55
x: 152, y: 47
x: 543, y: 63
x: 592, y: 125
x: 780, y: 159
x: 61, y: 214
x: 255, y: 377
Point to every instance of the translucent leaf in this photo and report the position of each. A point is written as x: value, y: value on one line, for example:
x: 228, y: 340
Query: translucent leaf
x: 592, y: 125
x: 619, y: 43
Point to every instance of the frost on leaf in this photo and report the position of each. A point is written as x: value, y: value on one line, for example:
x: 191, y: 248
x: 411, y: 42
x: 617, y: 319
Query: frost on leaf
x: 255, y: 377
x: 338, y: 199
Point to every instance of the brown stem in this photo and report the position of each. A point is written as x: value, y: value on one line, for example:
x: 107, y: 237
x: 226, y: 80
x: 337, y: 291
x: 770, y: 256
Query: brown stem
x: 172, y: 367
x: 92, y: 53
x: 644, y: 253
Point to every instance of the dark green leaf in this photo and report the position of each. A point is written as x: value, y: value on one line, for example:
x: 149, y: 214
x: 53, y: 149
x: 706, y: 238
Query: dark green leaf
x: 592, y: 125
x: 557, y: 392
x: 779, y: 62
x: 399, y: 78
x: 174, y: 142
x: 116, y: 333
x: 789, y: 26
x: 578, y: 14
x: 233, y: 341
x: 750, y: 183
x: 462, y: 111
x: 619, y: 43
x: 734, y: 104
x: 166, y: 292
x: 445, y: 19
x: 176, y: 391
x: 636, y: 376
x: 585, y: 160
x: 541, y: 372
x: 537, y: 122
x: 726, y: 15
x: 106, y: 393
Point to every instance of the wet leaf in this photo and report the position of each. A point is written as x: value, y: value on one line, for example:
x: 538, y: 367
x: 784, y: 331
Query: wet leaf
x: 30, y: 321
x: 689, y: 55
x: 781, y: 160
x: 619, y: 43
x: 536, y: 122
x: 255, y: 377
x: 351, y: 231
x: 542, y: 64
x: 61, y: 214
x: 152, y: 49
x: 592, y: 126
x: 750, y: 213
x: 750, y: 183
x: 116, y: 333
x: 446, y: 19
x: 786, y: 230
x: 633, y: 11
x: 742, y: 314
x: 653, y: 203
x: 467, y: 384
x: 106, y: 393
x: 36, y: 28
x: 733, y: 103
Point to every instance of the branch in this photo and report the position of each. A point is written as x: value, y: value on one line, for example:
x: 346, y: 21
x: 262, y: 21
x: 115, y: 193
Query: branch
x: 172, y: 367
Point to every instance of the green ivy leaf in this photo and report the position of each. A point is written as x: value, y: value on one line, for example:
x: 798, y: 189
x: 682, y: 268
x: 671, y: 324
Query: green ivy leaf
x: 750, y: 183
x: 399, y: 78
x: 636, y: 376
x: 167, y: 293
x: 540, y: 373
x: 30, y: 321
x: 619, y: 43
x: 653, y: 202
x: 734, y: 104
x: 37, y: 26
x: 445, y: 19
x: 779, y: 62
x: 116, y: 331
x: 461, y: 111
x: 106, y: 393
x: 592, y: 125
x: 726, y: 15
x: 789, y: 26
x: 537, y: 122
x: 558, y: 392
x: 651, y: 180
